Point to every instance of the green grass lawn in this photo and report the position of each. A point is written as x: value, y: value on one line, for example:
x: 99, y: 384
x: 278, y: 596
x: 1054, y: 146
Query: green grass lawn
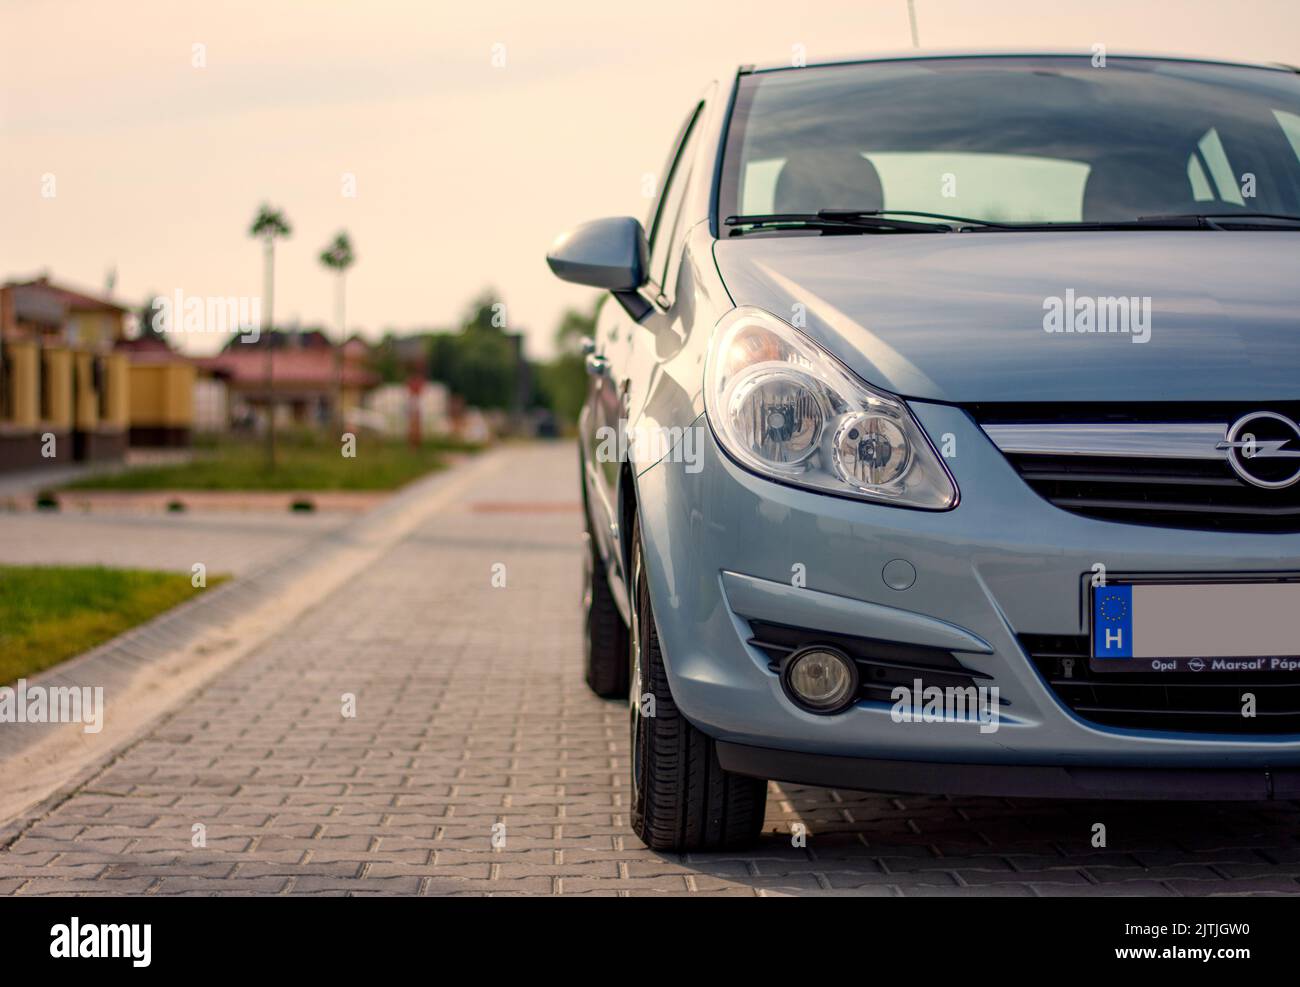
x: 304, y: 461
x: 51, y: 613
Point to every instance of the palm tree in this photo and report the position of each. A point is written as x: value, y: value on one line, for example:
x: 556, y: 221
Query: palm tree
x: 268, y: 224
x: 338, y: 257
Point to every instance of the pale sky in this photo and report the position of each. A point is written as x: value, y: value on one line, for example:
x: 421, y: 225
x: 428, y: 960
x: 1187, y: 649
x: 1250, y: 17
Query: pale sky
x: 464, y: 171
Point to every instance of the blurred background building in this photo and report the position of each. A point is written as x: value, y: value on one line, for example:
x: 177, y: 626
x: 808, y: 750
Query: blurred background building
x: 307, y: 378
x: 64, y: 388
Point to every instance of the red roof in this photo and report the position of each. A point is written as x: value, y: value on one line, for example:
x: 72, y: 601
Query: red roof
x: 311, y: 367
x: 149, y: 350
x: 75, y: 300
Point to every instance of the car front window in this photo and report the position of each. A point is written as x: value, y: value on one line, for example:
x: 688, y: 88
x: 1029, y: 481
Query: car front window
x: 1031, y: 139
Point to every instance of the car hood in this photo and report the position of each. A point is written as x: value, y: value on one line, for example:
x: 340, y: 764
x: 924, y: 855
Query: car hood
x: 960, y: 317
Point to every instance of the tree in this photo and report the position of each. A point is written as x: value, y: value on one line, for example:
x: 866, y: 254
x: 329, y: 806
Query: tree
x: 477, y: 365
x: 386, y: 361
x: 148, y: 312
x: 563, y: 380
x: 486, y: 312
x: 338, y: 257
x: 480, y: 362
x: 575, y: 325
x: 268, y: 224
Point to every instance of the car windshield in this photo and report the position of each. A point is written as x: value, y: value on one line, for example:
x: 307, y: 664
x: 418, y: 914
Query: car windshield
x: 1015, y: 140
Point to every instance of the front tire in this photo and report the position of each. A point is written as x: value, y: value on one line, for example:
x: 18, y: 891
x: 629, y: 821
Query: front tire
x: 682, y: 799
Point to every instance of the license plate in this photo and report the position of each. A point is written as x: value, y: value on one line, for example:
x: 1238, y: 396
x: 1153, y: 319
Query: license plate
x: 1196, y: 627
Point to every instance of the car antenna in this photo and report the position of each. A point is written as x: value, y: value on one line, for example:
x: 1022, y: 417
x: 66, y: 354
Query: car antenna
x: 911, y: 17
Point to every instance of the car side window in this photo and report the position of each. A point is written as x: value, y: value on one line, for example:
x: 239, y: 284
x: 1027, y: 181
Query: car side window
x: 670, y: 199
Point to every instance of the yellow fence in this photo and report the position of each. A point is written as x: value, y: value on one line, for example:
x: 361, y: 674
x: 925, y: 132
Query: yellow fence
x: 62, y: 390
x: 162, y: 395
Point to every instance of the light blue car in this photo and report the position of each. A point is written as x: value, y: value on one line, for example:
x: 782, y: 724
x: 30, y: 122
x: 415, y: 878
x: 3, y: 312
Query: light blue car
x: 942, y: 437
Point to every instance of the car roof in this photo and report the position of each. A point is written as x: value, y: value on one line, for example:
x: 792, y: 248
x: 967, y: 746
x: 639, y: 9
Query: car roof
x: 915, y: 54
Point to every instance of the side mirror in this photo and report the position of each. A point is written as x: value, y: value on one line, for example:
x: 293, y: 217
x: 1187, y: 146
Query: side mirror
x: 605, y: 253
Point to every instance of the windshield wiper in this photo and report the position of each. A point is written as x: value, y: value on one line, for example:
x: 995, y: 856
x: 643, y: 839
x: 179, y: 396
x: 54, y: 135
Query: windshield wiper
x: 1068, y: 226
x: 1173, y: 221
x: 831, y: 221
x: 1163, y: 221
x: 1221, y: 220
x: 881, y: 213
x: 882, y: 221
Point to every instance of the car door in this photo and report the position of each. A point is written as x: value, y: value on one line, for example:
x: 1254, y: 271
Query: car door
x: 619, y: 353
x: 600, y: 427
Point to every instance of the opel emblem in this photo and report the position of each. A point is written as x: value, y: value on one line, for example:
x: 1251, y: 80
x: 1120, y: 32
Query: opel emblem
x: 1264, y: 450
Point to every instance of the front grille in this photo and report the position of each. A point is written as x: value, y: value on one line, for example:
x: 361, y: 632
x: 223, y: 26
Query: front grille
x: 1198, y: 492
x: 1199, y: 702
x: 882, y: 665
x: 1203, y: 494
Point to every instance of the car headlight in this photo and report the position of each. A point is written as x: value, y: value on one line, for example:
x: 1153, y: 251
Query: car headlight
x: 786, y: 409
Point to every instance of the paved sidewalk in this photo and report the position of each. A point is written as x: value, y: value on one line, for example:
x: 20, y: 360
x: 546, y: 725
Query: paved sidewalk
x: 471, y: 713
x: 234, y: 543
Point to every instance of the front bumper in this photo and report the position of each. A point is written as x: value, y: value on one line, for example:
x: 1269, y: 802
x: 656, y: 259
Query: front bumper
x: 1003, y: 563
x: 1012, y: 780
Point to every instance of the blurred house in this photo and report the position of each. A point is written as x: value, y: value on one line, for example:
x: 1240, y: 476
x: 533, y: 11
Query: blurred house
x: 390, y: 408
x: 64, y: 391
x: 211, y: 401
x: 304, y: 383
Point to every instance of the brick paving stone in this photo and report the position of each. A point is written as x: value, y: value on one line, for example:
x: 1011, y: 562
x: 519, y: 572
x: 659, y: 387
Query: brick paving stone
x: 471, y: 714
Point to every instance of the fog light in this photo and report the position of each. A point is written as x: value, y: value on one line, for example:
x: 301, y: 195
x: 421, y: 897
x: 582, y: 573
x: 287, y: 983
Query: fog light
x: 820, y: 679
